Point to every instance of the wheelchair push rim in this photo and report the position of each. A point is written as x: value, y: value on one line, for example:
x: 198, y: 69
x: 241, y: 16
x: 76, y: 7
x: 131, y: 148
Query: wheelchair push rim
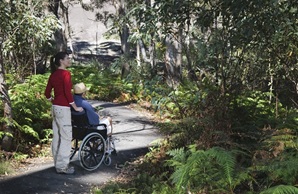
x: 92, y: 151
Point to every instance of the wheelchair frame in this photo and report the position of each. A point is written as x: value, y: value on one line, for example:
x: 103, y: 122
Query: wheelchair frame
x: 92, y: 144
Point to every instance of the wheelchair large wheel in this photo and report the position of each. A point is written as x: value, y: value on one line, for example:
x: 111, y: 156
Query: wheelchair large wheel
x: 92, y: 151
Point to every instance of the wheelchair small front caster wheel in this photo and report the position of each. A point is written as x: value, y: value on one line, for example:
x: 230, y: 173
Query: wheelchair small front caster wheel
x: 107, y: 161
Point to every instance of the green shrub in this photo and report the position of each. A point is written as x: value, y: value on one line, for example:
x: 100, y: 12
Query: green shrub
x: 102, y: 84
x: 182, y: 133
x: 31, y: 110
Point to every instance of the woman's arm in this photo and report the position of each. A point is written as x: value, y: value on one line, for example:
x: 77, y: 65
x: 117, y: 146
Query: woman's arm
x: 74, y: 106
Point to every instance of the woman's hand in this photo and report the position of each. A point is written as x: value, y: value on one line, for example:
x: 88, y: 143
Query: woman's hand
x: 79, y: 109
x: 76, y: 108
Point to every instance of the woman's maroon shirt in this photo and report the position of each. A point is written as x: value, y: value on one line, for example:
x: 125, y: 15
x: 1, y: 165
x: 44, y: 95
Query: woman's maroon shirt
x: 60, y: 81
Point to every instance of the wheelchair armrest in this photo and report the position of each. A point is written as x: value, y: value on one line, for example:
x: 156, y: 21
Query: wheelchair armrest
x: 100, y: 126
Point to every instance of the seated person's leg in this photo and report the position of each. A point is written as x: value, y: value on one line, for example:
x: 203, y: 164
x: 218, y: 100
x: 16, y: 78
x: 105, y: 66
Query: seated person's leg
x: 108, y: 122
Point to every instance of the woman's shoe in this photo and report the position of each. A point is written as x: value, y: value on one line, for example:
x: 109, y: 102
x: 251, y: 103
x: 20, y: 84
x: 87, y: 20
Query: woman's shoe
x: 68, y: 170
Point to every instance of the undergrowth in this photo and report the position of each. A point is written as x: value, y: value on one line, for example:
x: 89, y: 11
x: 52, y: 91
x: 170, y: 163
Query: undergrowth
x: 218, y: 152
x: 5, y: 167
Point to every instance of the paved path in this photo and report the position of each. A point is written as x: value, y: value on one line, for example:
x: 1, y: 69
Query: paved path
x: 134, y: 133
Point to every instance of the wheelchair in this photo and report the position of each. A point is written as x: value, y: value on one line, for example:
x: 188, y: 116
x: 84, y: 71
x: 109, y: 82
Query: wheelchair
x: 90, y: 142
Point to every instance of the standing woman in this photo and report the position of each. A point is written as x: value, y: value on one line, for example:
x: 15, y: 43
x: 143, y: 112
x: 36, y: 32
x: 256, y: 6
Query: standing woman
x: 60, y: 82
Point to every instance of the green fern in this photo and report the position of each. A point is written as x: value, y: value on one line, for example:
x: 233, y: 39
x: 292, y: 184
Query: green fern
x: 285, y: 136
x: 281, y: 189
x: 225, y: 160
x: 213, y: 170
x: 183, y: 167
x: 283, y: 168
x: 179, y: 156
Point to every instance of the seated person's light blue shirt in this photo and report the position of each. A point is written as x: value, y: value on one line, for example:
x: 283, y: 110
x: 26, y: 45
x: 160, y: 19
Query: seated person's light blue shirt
x: 91, y: 114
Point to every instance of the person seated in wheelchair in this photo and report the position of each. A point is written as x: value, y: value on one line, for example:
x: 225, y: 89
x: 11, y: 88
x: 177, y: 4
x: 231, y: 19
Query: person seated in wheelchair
x: 93, y: 118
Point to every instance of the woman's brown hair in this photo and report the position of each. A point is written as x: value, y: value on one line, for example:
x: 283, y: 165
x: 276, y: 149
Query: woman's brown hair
x: 55, y: 60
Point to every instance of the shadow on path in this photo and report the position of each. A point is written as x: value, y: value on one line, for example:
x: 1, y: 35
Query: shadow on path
x: 45, y: 180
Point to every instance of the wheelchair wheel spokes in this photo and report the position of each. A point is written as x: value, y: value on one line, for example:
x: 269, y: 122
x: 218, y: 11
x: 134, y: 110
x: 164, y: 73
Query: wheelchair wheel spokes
x: 92, y: 151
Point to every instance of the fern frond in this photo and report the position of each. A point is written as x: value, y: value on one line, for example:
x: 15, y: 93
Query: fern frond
x: 178, y: 154
x: 210, y: 170
x: 287, y: 137
x: 5, y: 134
x: 226, y: 160
x: 178, y: 158
x: 281, y: 189
x: 185, y: 167
x: 181, y: 177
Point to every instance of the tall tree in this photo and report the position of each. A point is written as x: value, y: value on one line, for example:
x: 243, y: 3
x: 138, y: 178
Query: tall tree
x: 25, y: 33
x: 60, y: 9
x: 6, y: 128
x: 237, y: 44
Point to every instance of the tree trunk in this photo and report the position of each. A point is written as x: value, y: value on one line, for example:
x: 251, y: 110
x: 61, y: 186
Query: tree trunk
x: 138, y: 57
x: 152, y: 49
x: 124, y: 34
x: 67, y: 28
x: 124, y: 43
x: 7, y: 141
x: 173, y: 59
x: 125, y: 70
x: 60, y: 38
x: 152, y: 57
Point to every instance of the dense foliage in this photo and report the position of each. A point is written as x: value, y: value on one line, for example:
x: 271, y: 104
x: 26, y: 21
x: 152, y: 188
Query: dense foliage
x: 26, y: 31
x: 238, y: 92
x: 227, y: 106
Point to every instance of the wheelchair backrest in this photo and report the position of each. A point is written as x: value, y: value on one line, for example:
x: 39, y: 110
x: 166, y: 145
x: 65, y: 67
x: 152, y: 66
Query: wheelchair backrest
x: 79, y: 119
x: 81, y: 126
